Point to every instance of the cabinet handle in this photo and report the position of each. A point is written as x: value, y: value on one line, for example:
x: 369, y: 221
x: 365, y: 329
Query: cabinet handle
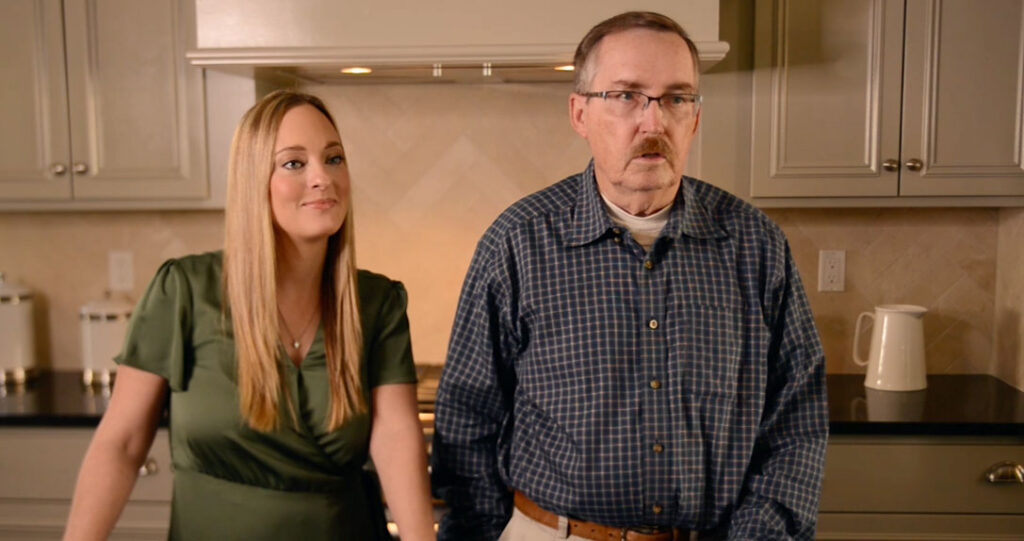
x: 58, y: 169
x: 81, y: 168
x: 1005, y: 472
x: 891, y: 165
x: 148, y: 468
x: 914, y: 164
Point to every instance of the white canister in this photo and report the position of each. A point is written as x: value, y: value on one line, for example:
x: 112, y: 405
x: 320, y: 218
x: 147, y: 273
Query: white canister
x: 17, y: 333
x: 104, y: 324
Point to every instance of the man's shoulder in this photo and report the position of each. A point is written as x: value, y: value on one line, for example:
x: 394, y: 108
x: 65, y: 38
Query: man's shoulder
x: 730, y: 211
x: 555, y: 199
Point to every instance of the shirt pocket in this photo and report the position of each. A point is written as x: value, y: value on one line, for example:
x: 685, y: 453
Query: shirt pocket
x: 709, y: 348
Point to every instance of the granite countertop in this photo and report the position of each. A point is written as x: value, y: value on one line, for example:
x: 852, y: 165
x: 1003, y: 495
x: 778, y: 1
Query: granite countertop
x: 951, y: 405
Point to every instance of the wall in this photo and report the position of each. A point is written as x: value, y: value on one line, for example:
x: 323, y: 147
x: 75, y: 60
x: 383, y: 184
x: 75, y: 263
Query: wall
x: 433, y: 165
x: 1008, y: 363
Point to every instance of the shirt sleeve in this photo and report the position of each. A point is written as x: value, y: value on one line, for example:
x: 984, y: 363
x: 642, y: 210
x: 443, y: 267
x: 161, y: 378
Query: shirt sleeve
x: 157, y: 339
x: 389, y: 354
x: 779, y: 499
x: 473, y: 405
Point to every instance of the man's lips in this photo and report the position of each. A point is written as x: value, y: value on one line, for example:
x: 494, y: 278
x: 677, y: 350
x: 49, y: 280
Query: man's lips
x: 654, y: 149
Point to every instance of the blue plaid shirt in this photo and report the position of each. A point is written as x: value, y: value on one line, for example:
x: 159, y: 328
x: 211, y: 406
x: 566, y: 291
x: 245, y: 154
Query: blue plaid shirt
x: 682, y: 386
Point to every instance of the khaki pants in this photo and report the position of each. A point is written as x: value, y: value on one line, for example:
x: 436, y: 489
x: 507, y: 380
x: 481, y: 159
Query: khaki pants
x: 523, y: 528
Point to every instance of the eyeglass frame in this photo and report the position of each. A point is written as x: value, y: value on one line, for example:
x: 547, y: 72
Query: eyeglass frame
x: 697, y: 98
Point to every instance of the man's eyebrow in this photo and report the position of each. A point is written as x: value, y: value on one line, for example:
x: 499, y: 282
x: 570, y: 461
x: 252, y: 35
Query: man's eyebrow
x: 625, y: 84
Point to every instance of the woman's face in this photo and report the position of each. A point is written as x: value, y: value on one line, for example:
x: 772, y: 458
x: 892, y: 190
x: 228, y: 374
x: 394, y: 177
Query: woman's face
x: 309, y: 187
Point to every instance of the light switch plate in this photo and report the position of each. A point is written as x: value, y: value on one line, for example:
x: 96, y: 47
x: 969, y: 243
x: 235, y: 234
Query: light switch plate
x: 120, y: 271
x: 832, y: 270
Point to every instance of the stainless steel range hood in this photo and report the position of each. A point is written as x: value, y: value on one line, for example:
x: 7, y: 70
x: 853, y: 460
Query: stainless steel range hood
x: 422, y: 41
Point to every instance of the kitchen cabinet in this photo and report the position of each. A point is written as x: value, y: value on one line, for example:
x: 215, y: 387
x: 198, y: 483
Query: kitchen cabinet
x: 39, y: 466
x: 100, y: 106
x: 889, y: 102
x: 920, y: 487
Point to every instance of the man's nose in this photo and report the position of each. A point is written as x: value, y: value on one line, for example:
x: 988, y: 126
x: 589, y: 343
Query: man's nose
x: 652, y: 117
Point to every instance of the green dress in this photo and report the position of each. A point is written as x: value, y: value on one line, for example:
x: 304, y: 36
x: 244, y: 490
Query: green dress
x: 232, y: 482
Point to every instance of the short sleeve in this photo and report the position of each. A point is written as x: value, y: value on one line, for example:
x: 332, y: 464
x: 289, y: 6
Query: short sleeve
x: 388, y: 347
x: 157, y: 337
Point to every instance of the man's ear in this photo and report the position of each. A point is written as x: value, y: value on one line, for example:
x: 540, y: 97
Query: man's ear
x: 577, y: 114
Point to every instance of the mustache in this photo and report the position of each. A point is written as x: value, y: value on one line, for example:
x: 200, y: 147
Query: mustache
x: 653, y: 145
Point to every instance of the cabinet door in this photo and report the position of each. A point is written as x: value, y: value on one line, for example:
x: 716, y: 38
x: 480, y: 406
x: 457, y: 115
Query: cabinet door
x: 136, y: 106
x: 826, y: 97
x: 34, y: 145
x: 963, y: 97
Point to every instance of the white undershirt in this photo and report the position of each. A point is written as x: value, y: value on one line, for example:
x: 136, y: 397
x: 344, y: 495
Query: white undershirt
x: 644, y: 229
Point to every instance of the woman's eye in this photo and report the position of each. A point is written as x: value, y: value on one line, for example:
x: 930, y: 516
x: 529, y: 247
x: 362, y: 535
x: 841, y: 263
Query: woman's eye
x: 292, y: 164
x: 336, y: 160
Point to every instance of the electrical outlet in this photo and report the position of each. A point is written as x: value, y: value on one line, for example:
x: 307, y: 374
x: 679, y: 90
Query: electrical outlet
x: 120, y: 271
x: 831, y: 270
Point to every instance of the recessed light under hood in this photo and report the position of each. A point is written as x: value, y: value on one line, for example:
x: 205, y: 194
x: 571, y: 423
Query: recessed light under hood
x: 482, y: 73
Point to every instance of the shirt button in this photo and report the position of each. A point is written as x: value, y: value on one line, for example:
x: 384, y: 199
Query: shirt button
x: 656, y: 509
x: 648, y: 264
x: 655, y: 384
x: 657, y: 447
x: 616, y: 230
x: 618, y: 239
x: 653, y: 324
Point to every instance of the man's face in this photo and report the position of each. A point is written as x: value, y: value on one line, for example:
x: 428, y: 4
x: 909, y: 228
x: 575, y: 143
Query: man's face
x: 644, y: 151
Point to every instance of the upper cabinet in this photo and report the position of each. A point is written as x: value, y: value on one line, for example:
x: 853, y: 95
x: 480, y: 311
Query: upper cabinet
x: 101, y: 108
x: 888, y: 101
x: 410, y: 39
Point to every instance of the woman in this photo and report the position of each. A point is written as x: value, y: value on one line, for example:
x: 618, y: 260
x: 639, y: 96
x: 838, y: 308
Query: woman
x: 284, y: 364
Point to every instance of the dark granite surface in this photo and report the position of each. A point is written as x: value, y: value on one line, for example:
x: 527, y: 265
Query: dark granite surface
x: 951, y: 405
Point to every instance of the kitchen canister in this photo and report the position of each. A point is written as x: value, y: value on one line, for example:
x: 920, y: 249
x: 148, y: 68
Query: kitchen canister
x: 104, y: 324
x: 17, y: 333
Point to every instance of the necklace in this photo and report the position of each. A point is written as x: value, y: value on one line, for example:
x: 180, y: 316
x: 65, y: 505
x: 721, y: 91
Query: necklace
x: 295, y: 340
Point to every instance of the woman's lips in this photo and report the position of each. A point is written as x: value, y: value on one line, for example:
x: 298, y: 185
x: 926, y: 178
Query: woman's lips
x: 320, y: 204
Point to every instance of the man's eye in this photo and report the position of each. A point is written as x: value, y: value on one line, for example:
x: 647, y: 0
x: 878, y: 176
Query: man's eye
x: 292, y: 164
x: 679, y: 99
x: 626, y: 96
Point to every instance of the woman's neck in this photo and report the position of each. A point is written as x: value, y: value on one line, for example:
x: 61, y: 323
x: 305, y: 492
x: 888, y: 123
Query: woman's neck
x: 299, y: 272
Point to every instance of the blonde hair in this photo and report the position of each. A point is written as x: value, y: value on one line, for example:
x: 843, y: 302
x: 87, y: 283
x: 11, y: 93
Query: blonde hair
x: 250, y: 259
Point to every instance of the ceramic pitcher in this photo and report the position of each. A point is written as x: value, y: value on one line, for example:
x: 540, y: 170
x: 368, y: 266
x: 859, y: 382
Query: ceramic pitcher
x: 896, y: 359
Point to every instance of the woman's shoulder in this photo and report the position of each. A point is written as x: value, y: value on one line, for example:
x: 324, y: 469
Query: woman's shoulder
x: 376, y: 289
x: 198, y: 270
x: 372, y: 281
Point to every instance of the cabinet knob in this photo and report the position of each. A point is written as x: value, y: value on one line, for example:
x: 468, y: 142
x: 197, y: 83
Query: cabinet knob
x: 58, y: 169
x: 914, y: 164
x: 891, y: 165
x: 81, y: 168
x: 1005, y: 472
x: 148, y: 468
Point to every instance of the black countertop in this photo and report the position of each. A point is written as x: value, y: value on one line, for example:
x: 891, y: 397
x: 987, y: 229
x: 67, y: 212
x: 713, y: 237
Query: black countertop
x: 951, y: 405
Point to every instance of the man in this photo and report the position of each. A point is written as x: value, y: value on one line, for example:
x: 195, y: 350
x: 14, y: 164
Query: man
x: 633, y: 356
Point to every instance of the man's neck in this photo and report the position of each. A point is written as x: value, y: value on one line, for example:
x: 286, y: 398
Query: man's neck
x: 638, y: 203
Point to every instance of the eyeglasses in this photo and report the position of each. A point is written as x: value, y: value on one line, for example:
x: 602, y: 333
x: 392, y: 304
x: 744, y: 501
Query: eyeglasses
x: 626, y: 103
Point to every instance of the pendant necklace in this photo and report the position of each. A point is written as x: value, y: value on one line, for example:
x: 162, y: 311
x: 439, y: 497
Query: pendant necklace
x: 295, y: 340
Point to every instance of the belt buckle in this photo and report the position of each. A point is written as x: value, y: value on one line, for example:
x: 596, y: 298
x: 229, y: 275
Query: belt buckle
x: 643, y: 530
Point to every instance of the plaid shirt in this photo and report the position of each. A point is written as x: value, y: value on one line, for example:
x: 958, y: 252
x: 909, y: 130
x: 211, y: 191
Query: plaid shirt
x: 682, y: 386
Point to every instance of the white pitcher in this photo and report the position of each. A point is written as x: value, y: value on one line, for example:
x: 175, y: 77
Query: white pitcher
x: 896, y: 359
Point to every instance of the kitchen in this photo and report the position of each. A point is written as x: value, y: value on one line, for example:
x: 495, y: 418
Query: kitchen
x: 434, y: 163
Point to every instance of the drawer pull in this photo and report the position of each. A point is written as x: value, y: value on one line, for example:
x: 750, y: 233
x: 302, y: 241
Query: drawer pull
x: 148, y: 468
x: 1005, y: 472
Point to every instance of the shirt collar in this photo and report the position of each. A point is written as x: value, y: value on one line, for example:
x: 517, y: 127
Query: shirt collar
x: 688, y: 216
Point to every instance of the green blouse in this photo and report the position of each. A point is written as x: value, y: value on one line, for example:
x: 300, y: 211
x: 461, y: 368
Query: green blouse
x: 232, y: 482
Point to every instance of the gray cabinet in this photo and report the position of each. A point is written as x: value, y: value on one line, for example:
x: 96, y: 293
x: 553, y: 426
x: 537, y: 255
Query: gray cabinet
x: 921, y: 487
x: 39, y: 467
x: 100, y: 105
x: 889, y: 100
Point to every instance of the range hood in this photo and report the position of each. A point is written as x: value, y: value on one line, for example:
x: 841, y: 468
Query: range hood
x: 418, y: 41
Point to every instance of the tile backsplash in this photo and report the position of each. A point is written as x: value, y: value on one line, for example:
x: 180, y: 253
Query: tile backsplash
x: 432, y: 166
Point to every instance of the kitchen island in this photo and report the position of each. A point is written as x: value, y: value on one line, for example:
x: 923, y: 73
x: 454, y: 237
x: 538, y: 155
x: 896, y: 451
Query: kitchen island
x: 907, y: 465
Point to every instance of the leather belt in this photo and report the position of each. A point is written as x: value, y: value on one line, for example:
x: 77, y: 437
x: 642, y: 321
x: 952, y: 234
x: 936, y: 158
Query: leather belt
x: 592, y: 530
